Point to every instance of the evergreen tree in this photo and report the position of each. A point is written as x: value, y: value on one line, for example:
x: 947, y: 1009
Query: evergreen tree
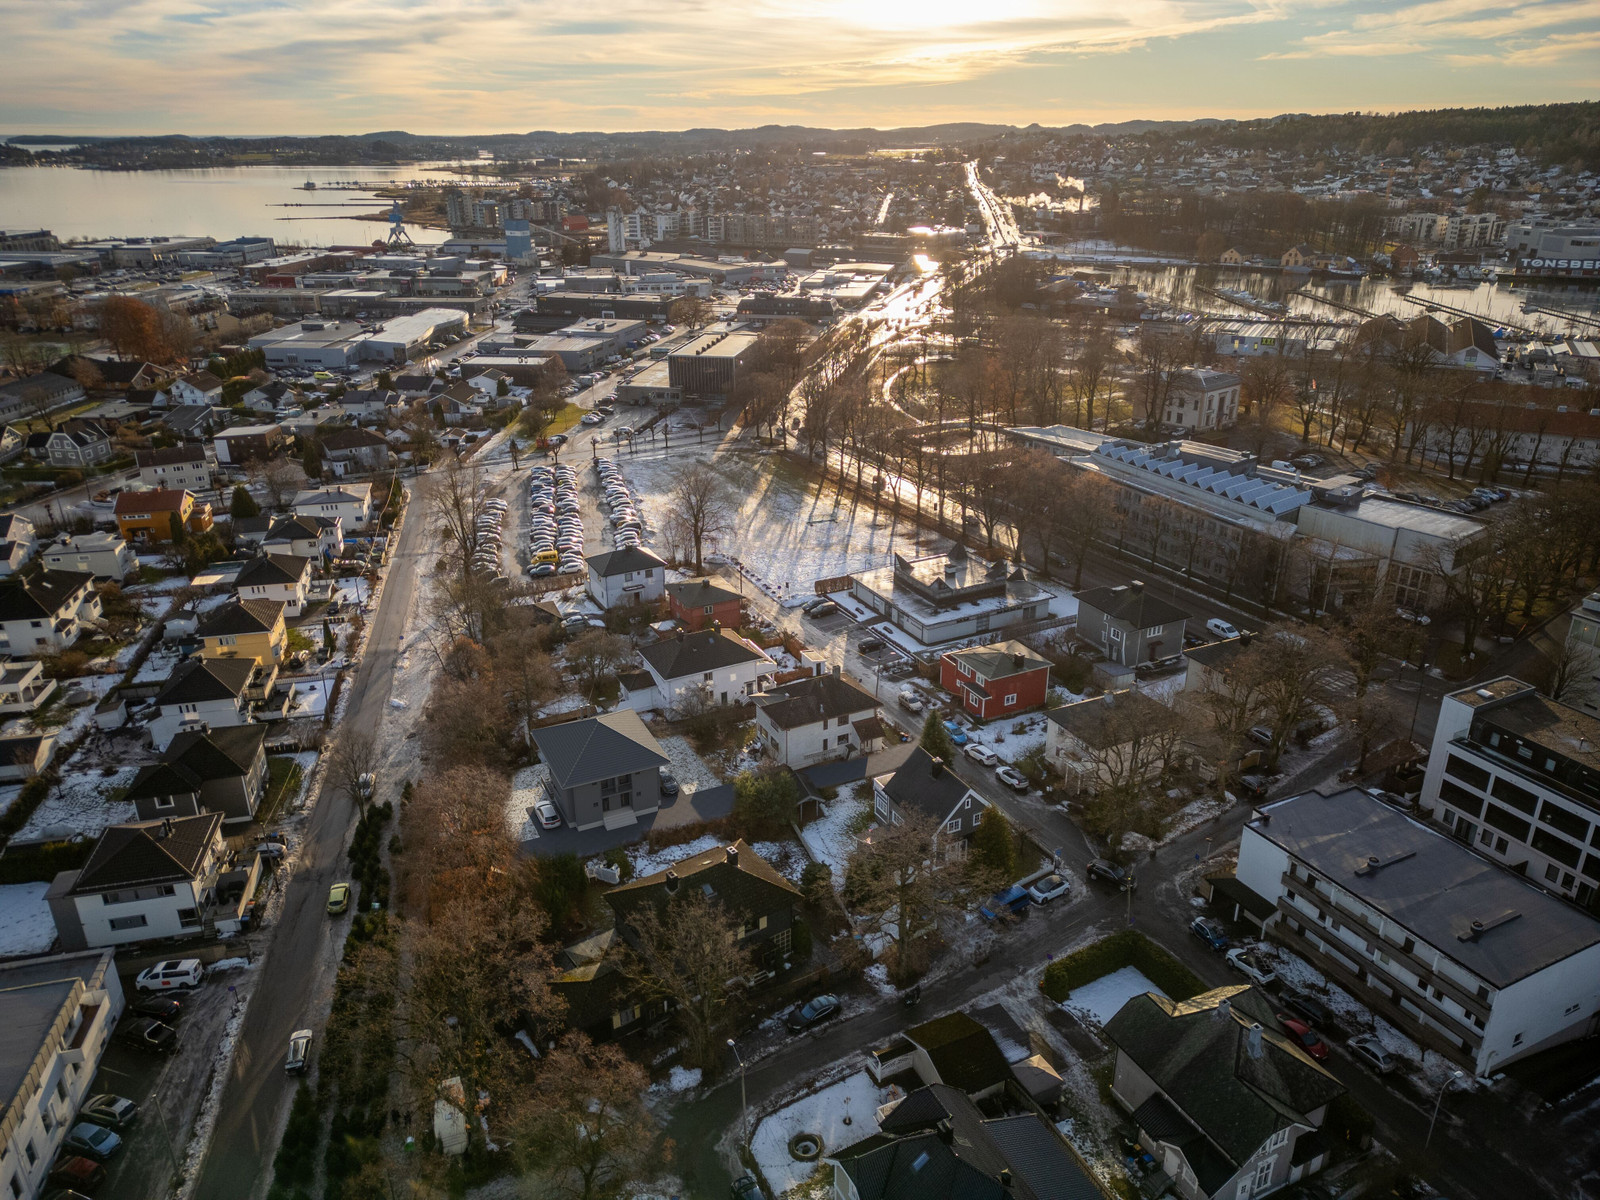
x: 243, y: 504
x: 936, y: 738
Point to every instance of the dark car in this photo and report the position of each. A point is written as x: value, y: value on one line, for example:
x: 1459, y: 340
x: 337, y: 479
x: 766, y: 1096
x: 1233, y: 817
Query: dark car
x: 1252, y: 787
x: 78, y: 1173
x: 746, y: 1188
x: 158, y: 1008
x: 812, y: 1013
x: 1210, y: 932
x: 1308, y: 1007
x: 145, y: 1034
x: 1106, y: 871
x: 669, y: 784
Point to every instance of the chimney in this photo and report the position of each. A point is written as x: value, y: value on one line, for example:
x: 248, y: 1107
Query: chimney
x: 1017, y: 660
x: 672, y: 882
x: 1005, y: 1177
x: 1253, y: 1040
x: 838, y: 669
x: 1222, y: 1010
x: 1136, y: 586
x: 680, y: 635
x: 937, y: 767
x: 166, y: 827
x: 733, y: 856
x: 945, y: 1132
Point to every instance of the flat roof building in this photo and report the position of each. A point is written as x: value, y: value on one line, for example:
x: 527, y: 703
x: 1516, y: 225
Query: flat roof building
x: 940, y: 597
x: 311, y: 343
x: 1465, y: 957
x: 708, y: 365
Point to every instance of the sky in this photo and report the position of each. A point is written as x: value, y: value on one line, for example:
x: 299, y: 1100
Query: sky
x: 487, y: 66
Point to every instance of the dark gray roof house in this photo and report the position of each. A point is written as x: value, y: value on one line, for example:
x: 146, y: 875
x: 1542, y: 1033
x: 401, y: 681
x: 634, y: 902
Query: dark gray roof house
x: 806, y: 701
x: 241, y: 616
x: 271, y: 569
x: 936, y: 1145
x: 695, y: 653
x: 202, y: 679
x: 604, y: 770
x: 621, y: 562
x: 220, y: 770
x: 1215, y: 1079
x: 926, y: 785
x: 148, y: 852
x: 40, y: 595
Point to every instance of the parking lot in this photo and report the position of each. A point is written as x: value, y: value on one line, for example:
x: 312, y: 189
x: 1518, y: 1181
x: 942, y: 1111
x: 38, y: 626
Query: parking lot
x: 167, y: 1088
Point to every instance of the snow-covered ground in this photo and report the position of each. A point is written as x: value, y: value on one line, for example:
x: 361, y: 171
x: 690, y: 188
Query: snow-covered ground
x: 821, y: 1114
x: 829, y: 838
x: 26, y: 926
x: 647, y: 862
x: 526, y: 786
x: 1012, y: 739
x: 78, y: 805
x: 688, y: 768
x: 311, y: 697
x: 350, y: 590
x: 1104, y: 997
x: 158, y: 666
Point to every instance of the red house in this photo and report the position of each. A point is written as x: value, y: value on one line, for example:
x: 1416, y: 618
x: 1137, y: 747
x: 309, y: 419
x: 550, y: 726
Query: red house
x: 699, y: 602
x: 995, y: 681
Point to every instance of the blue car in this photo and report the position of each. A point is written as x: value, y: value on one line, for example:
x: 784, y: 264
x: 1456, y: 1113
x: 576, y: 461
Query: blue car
x: 1013, y: 903
x: 1209, y: 932
x: 957, y: 734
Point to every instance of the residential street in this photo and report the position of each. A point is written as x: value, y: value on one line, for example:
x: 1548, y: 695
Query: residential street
x: 296, y: 975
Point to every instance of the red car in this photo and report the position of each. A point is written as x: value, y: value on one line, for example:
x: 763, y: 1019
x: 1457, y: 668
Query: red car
x: 1310, y: 1040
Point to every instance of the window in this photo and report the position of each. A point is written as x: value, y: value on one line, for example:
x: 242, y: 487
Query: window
x: 188, y: 917
x: 844, y: 739
x: 1519, y: 798
x: 166, y: 889
x: 33, y: 1155
x: 1278, y: 1140
x: 110, y: 897
x: 135, y: 922
x: 977, y: 818
x: 1011, y: 699
x: 953, y: 825
x: 1466, y: 772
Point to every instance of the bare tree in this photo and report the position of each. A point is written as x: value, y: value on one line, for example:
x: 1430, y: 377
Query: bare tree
x: 280, y: 478
x: 353, y: 766
x: 703, y: 508
x: 456, y: 503
x: 1574, y: 670
x: 585, y: 1132
x: 690, y: 953
x: 1087, y: 514
x: 596, y: 654
x: 903, y: 875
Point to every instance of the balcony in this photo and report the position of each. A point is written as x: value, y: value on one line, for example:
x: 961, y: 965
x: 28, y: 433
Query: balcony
x: 1428, y: 975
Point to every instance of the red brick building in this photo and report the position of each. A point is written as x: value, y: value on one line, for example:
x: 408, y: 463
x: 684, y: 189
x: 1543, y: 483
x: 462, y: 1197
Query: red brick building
x: 995, y: 681
x: 699, y: 602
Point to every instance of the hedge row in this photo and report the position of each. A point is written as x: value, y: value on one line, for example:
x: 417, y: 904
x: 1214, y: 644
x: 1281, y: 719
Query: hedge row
x: 43, y: 862
x: 1127, y: 948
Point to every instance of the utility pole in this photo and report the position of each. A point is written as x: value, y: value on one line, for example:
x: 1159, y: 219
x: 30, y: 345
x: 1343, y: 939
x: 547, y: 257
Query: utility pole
x: 744, y: 1104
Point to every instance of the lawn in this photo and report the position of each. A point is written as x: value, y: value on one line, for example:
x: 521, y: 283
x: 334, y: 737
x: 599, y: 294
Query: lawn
x: 283, y: 779
x: 568, y: 416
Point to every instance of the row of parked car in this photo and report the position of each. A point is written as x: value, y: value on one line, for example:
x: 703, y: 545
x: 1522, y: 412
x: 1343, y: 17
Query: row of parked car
x: 1304, y: 1018
x: 627, y: 526
x: 486, y: 539
x: 555, y: 522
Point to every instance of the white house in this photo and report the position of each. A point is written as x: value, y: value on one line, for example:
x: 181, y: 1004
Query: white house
x: 350, y: 502
x: 713, y: 666
x: 178, y: 468
x: 17, y: 543
x: 1202, y: 399
x: 821, y: 718
x: 1463, y: 956
x: 202, y: 691
x: 44, y: 612
x: 628, y: 576
x: 276, y: 577
x: 103, y: 555
x: 354, y: 450
x: 59, y: 1012
x: 24, y: 686
x: 304, y: 537
x: 167, y: 878
x: 200, y: 388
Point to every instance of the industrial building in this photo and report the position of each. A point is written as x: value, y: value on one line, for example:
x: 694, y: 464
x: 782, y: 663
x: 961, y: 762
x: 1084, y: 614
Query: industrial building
x: 587, y: 344
x: 707, y: 366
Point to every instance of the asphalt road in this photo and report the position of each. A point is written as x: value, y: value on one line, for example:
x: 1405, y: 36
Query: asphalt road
x: 296, y: 976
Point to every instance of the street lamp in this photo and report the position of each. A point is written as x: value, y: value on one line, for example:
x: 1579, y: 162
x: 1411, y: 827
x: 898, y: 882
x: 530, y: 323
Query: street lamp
x: 744, y: 1103
x: 1443, y: 1087
x: 1422, y: 678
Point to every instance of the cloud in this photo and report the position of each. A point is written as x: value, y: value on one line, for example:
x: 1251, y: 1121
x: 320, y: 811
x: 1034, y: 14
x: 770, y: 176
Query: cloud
x: 1462, y: 33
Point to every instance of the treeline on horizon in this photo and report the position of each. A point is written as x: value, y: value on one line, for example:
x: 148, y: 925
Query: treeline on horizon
x: 1564, y: 134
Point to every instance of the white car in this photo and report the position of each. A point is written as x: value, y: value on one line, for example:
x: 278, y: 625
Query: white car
x: 1252, y: 968
x: 979, y: 753
x: 1217, y: 627
x: 1013, y: 779
x: 1047, y: 889
x: 1366, y: 1048
x: 549, y: 817
x: 174, y: 973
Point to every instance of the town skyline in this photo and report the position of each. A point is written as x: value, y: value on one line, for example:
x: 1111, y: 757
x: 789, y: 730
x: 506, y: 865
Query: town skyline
x: 348, y: 66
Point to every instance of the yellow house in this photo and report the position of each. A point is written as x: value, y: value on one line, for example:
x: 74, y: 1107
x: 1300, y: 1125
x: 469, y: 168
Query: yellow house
x: 146, y: 516
x: 1232, y: 257
x: 245, y: 629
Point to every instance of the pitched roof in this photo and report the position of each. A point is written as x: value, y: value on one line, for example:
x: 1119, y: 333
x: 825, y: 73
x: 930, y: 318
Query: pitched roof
x: 202, y: 679
x: 696, y: 653
x: 348, y: 493
x: 168, y: 456
x: 1197, y: 1052
x: 735, y: 876
x: 806, y: 701
x: 612, y: 563
x: 962, y: 1051
x: 242, y: 616
x: 151, y: 500
x: 1216, y: 654
x: 353, y: 438
x: 297, y: 527
x: 39, y: 595
x: 914, y: 785
x: 272, y: 568
x: 1114, y: 719
x: 148, y: 852
x: 199, y: 757
x: 1133, y: 604
x: 697, y: 593
x: 999, y: 659
x: 204, y: 380
x: 613, y: 743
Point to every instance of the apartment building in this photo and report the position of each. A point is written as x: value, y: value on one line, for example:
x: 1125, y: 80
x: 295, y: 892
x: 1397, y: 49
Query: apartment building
x: 1517, y: 776
x: 1464, y: 956
x: 60, y: 1012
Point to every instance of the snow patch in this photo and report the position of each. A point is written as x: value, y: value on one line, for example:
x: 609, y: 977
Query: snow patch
x: 829, y: 839
x: 1103, y: 998
x: 683, y: 1079
x: 26, y: 926
x: 821, y: 1114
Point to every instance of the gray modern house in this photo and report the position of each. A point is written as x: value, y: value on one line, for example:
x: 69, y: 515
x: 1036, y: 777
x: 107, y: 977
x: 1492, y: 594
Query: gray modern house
x: 604, y: 770
x: 1129, y: 625
x: 221, y: 770
x: 925, y: 784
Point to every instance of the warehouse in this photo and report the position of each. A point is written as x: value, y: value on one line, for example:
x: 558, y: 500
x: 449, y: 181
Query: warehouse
x: 708, y: 365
